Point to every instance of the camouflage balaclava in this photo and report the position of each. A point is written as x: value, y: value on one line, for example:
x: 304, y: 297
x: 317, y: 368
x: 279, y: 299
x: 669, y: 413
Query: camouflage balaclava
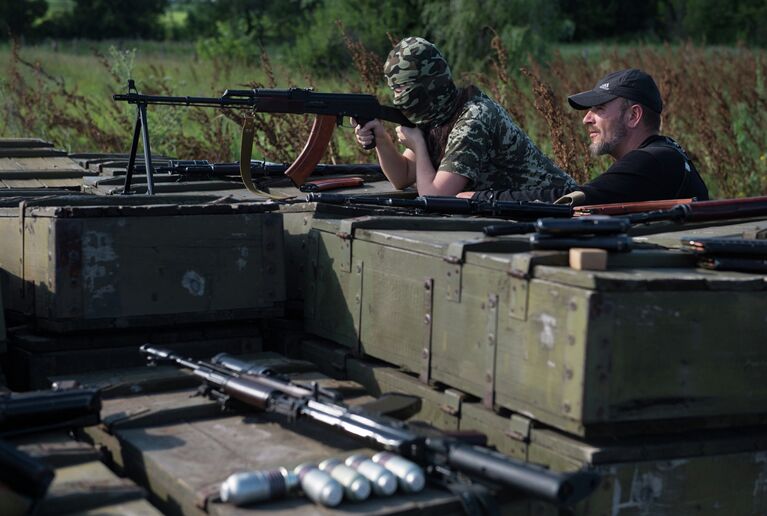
x: 428, y: 95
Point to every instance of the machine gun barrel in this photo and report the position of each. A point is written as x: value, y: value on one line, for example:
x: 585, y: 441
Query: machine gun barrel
x: 360, y: 106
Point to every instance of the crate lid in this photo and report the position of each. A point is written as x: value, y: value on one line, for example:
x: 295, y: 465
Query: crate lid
x: 79, y: 205
x: 650, y: 447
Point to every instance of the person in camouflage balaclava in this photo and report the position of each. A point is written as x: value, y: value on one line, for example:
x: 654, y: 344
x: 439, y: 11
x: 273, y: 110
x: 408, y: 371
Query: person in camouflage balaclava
x: 421, y: 80
x: 463, y: 139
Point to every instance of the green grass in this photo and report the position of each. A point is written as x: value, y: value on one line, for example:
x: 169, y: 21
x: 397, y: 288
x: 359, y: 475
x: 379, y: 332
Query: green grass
x: 716, y: 102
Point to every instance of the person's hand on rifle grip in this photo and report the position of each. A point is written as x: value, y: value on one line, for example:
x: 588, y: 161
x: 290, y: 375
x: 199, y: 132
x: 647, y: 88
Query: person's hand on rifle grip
x: 412, y: 138
x: 368, y: 133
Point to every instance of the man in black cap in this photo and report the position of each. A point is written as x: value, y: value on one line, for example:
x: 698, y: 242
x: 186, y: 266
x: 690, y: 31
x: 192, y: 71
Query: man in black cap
x: 623, y: 120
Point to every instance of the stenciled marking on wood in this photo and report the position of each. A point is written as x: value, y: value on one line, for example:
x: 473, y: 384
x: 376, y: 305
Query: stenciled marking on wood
x: 193, y: 283
x: 98, y: 266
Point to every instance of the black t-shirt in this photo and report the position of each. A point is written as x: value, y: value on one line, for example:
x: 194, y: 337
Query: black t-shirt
x: 658, y: 169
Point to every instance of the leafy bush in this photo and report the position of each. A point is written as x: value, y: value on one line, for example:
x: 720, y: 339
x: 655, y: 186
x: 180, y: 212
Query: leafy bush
x: 319, y: 46
x: 17, y: 16
x: 462, y: 29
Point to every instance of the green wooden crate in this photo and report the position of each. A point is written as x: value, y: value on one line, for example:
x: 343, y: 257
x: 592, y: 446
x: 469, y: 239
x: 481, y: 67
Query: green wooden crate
x: 34, y: 359
x: 372, y: 282
x: 689, y: 475
x: 648, y: 341
x: 84, y: 262
x: 699, y: 472
x: 593, y: 352
x: 82, y: 484
x: 3, y: 342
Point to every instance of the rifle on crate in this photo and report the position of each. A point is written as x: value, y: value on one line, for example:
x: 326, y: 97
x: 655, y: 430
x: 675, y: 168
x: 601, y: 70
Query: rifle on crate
x: 259, y: 168
x: 228, y: 379
x: 329, y: 108
x: 520, y: 210
x: 36, y: 411
x: 345, y: 175
x: 630, y: 214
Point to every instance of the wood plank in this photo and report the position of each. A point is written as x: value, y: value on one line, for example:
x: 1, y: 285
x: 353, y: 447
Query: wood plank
x: 87, y: 486
x: 24, y: 143
x: 30, y: 152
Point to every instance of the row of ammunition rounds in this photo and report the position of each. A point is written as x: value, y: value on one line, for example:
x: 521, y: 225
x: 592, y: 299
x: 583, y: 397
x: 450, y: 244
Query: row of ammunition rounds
x: 329, y: 482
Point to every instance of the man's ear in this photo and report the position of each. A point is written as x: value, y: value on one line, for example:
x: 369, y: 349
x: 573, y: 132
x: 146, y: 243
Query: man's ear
x: 635, y: 115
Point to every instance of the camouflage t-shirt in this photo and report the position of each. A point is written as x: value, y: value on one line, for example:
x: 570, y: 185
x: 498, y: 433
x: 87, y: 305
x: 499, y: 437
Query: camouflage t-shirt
x: 487, y: 147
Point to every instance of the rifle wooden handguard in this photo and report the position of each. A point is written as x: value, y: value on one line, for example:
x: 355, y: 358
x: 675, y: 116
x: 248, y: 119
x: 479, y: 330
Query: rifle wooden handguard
x: 621, y: 208
x: 305, y: 163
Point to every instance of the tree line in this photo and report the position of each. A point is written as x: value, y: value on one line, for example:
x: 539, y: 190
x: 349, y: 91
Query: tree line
x: 307, y: 33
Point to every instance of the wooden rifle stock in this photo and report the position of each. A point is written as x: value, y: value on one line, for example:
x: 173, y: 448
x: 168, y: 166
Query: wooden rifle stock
x: 622, y: 208
x: 728, y: 208
x: 700, y: 211
x: 674, y: 210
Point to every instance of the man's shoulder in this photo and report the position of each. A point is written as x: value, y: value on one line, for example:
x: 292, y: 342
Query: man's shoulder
x: 658, y: 151
x: 637, y: 159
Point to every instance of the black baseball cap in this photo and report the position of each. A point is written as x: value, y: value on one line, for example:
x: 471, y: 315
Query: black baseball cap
x: 630, y: 84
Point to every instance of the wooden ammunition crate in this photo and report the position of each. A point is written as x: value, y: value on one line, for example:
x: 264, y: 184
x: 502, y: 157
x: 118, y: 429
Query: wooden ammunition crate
x: 624, y: 346
x: 372, y: 281
x: 439, y: 407
x: 35, y: 359
x: 82, y: 483
x: 700, y: 472
x: 85, y: 262
x: 649, y: 340
x: 31, y: 163
x: 690, y: 475
x: 2, y: 325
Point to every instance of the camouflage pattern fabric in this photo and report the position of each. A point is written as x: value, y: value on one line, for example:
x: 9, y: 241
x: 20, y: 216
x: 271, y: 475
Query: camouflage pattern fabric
x: 426, y: 92
x: 488, y: 148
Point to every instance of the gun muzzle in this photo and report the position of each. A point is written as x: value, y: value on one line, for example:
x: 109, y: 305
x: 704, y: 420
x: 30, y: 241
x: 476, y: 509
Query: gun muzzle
x: 156, y: 353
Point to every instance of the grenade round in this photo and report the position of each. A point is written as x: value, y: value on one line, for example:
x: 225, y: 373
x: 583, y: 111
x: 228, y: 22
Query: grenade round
x: 356, y: 487
x: 318, y: 486
x: 383, y: 481
x: 257, y: 486
x: 409, y: 474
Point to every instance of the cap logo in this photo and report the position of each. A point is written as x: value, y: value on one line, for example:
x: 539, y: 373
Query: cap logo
x: 605, y: 86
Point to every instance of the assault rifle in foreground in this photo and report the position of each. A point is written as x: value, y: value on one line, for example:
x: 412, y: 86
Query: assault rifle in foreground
x: 329, y: 108
x: 520, y: 210
x: 231, y: 379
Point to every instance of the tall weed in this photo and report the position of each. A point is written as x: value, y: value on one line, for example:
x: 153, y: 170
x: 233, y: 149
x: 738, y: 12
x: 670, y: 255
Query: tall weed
x: 715, y: 104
